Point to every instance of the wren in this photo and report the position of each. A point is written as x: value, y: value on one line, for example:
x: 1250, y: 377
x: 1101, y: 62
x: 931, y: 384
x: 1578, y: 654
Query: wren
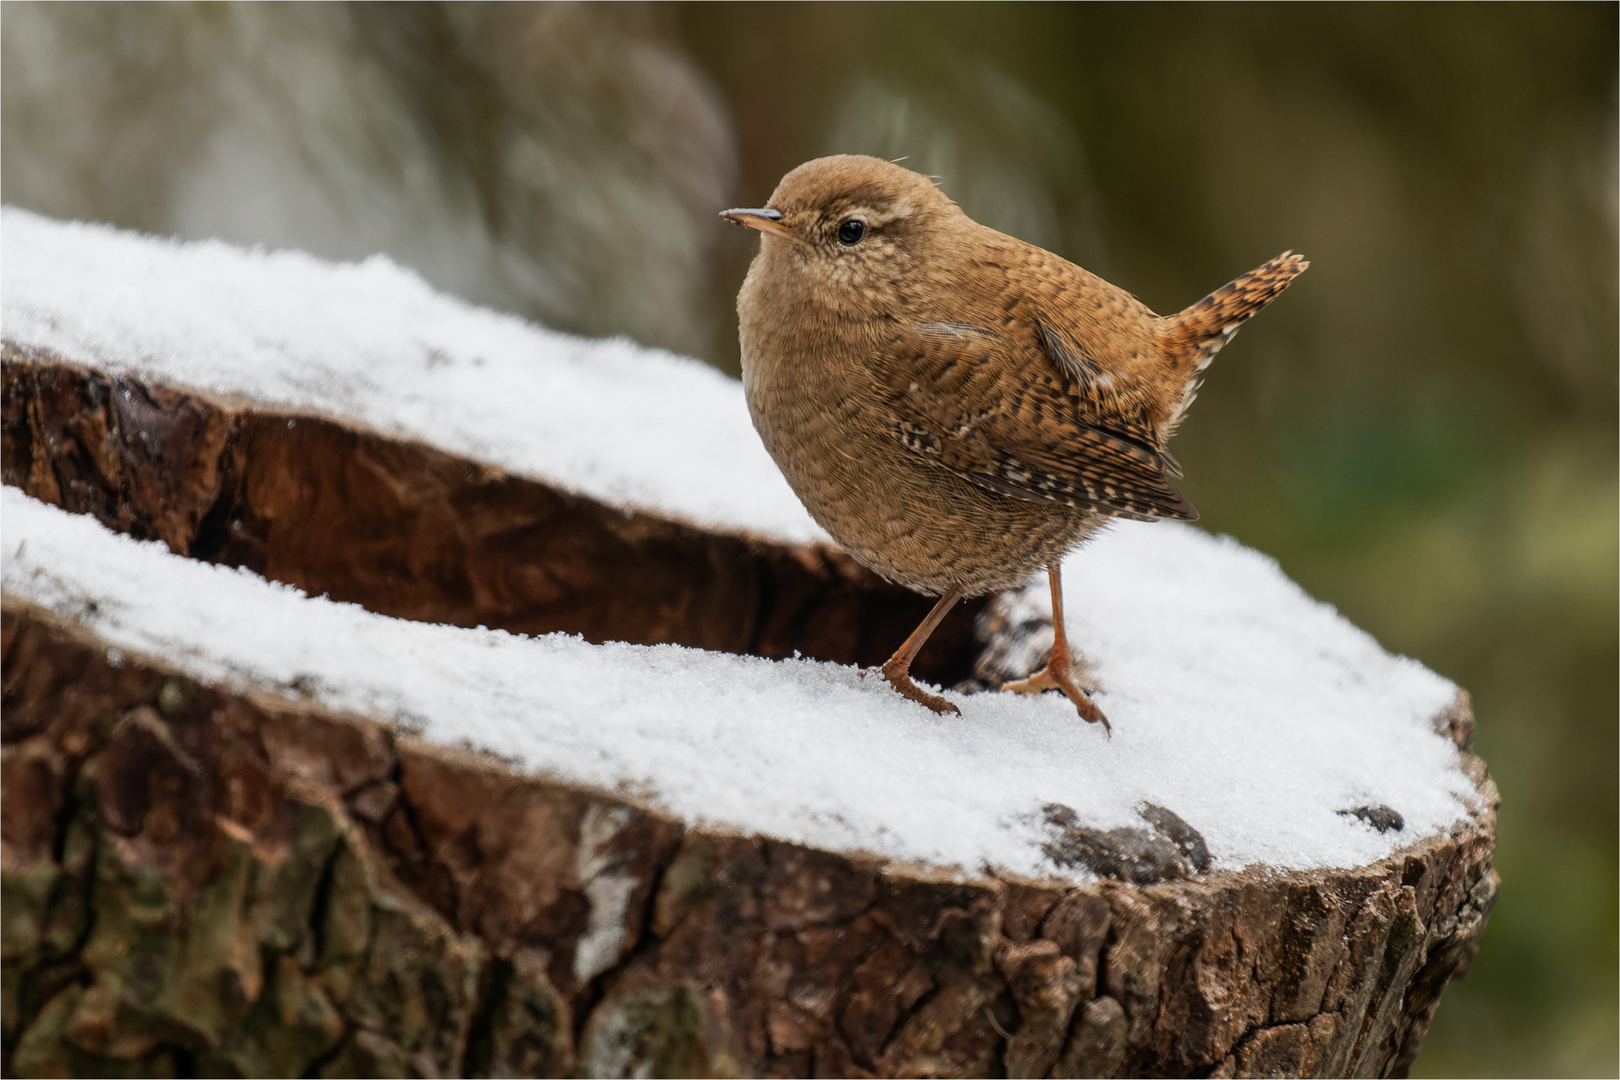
x: 956, y: 407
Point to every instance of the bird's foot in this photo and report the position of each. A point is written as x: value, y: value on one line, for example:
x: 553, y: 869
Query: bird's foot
x: 900, y: 679
x: 1056, y: 676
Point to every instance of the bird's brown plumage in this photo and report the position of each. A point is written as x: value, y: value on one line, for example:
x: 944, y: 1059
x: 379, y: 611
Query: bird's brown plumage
x: 956, y: 407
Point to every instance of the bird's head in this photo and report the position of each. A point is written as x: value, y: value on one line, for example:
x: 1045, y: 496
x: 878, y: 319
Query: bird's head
x: 849, y: 228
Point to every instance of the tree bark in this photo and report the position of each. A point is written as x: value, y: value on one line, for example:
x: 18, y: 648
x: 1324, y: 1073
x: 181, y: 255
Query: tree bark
x: 407, y: 530
x: 198, y: 881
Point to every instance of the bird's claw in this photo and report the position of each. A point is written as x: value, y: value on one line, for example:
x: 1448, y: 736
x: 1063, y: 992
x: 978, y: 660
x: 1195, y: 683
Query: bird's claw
x: 1056, y: 678
x: 901, y: 681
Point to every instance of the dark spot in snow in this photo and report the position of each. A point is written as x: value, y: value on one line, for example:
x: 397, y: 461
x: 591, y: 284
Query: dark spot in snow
x: 1167, y: 849
x: 1382, y: 818
x: 1173, y: 827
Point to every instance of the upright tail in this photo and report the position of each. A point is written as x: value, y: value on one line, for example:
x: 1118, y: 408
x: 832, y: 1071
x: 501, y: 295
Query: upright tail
x: 1198, y: 333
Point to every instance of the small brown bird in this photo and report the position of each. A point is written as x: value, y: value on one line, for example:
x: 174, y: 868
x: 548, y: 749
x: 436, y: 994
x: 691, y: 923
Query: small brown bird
x: 956, y: 407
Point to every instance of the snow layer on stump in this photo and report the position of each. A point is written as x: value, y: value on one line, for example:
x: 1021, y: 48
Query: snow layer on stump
x: 1256, y: 714
x: 1253, y: 713
x: 372, y: 343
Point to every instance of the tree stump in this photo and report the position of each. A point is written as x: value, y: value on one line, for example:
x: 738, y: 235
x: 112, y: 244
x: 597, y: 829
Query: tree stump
x: 203, y: 881
x: 208, y: 874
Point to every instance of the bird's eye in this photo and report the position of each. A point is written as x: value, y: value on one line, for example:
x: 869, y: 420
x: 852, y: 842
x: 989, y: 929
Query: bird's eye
x: 851, y: 231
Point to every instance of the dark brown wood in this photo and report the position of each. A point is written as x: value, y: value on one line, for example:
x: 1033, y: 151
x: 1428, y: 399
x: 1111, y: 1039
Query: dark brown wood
x: 408, y: 530
x: 195, y: 881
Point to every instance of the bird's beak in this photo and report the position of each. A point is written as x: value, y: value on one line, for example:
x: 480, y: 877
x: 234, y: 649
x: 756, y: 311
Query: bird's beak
x: 766, y: 221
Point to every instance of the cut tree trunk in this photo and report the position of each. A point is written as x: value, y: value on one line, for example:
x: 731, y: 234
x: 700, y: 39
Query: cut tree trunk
x: 406, y: 530
x: 197, y: 881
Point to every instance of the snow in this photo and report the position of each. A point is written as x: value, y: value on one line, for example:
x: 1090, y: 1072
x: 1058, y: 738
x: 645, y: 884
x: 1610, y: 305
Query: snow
x: 1245, y: 707
x: 372, y: 343
x: 1253, y: 712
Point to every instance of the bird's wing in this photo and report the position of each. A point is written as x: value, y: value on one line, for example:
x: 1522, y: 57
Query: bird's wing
x: 1006, y: 418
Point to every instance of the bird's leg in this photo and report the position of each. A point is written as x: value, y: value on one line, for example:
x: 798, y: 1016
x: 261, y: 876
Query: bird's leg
x: 897, y: 671
x: 1059, y: 671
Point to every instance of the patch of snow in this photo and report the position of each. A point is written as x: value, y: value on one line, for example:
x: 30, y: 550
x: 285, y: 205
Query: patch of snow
x: 607, y: 892
x: 372, y: 343
x: 1250, y: 710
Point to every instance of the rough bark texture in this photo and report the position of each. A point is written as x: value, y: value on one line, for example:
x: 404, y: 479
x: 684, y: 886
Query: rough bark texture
x: 196, y: 882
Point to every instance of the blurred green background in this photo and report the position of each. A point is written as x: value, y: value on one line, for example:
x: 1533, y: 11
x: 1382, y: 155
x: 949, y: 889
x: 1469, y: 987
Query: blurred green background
x: 1423, y: 431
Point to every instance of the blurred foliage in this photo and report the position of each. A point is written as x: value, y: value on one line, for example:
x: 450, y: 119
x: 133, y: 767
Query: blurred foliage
x: 561, y: 161
x: 1423, y: 431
